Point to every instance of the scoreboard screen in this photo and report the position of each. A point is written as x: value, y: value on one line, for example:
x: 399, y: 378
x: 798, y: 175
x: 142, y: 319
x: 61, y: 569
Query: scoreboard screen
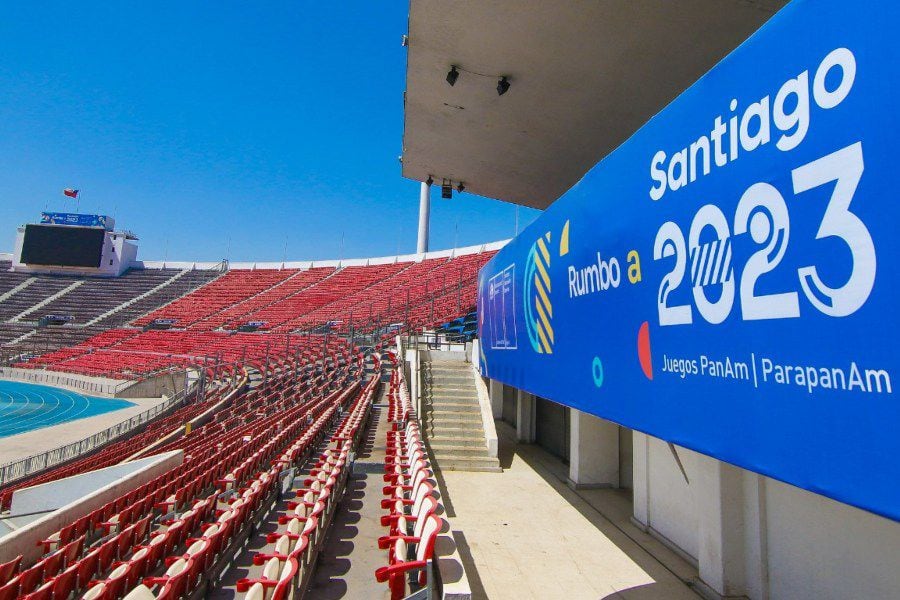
x: 63, y: 246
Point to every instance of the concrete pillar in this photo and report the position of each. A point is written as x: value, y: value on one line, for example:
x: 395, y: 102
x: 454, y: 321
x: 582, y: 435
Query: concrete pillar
x: 424, y: 216
x: 720, y: 508
x: 640, y: 444
x: 495, y: 390
x: 525, y: 417
x: 593, y: 452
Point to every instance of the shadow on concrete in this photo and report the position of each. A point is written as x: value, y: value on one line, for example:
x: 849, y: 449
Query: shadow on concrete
x: 465, y: 554
x: 444, y: 495
x: 608, y: 510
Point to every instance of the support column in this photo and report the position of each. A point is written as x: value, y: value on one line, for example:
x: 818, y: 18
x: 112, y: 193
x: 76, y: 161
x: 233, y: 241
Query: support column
x: 525, y: 417
x: 424, y: 216
x: 593, y: 452
x: 640, y: 445
x: 720, y: 504
x: 496, y: 393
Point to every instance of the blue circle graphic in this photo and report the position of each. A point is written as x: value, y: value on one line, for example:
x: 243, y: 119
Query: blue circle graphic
x: 597, y: 371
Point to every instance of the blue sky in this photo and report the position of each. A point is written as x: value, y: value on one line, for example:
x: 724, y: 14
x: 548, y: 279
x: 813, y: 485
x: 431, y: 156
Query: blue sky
x: 214, y: 127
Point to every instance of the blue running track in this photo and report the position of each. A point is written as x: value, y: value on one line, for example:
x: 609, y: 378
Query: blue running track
x: 26, y: 406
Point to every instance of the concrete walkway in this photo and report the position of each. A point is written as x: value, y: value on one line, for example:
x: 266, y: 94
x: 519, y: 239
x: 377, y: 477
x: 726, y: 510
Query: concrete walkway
x: 524, y: 533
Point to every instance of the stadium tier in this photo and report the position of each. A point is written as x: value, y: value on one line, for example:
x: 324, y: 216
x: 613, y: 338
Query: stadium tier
x: 162, y: 538
x: 421, y: 293
x: 83, y: 306
x: 210, y: 306
x: 287, y: 400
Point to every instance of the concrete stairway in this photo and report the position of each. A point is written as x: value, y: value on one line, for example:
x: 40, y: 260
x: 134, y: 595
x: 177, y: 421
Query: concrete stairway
x: 452, y: 417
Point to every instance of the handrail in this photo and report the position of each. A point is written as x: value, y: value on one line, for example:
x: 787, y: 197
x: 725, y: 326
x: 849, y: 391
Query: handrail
x: 24, y: 467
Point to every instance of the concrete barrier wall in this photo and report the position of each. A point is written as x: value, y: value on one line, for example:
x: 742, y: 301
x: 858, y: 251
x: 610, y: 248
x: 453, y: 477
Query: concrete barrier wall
x: 91, y: 386
x: 484, y: 403
x: 196, y: 422
x: 56, y: 494
x: 166, y: 384
x: 25, y: 540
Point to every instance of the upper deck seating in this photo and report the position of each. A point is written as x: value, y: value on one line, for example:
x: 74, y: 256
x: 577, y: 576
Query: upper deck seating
x: 94, y: 306
x: 230, y: 289
x: 240, y: 313
x: 287, y: 314
x: 96, y: 296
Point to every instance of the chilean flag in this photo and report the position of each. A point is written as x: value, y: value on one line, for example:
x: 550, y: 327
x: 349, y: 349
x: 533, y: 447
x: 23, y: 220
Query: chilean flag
x: 70, y: 193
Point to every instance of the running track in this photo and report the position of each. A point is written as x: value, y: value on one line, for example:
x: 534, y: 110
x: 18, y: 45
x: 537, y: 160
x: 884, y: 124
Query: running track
x: 26, y: 406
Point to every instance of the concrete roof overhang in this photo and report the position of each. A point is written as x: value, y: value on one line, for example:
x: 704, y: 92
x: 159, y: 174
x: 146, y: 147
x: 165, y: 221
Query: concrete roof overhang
x: 584, y: 75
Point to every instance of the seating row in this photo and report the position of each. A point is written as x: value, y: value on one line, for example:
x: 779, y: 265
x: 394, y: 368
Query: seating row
x: 118, y: 451
x: 113, y: 532
x: 413, y: 518
x: 130, y: 353
x: 235, y: 286
x: 290, y: 555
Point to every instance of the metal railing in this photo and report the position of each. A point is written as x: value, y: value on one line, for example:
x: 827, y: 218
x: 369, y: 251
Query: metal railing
x: 38, y: 462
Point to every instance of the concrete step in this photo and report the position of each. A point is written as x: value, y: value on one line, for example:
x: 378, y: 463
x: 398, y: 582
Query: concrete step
x: 457, y: 391
x: 449, y: 364
x: 451, y: 391
x: 449, y: 367
x: 462, y: 463
x: 441, y: 408
x: 472, y: 426
x: 465, y: 420
x: 448, y: 384
x: 456, y: 428
x: 449, y: 376
x: 453, y: 415
x: 446, y: 449
x: 441, y: 416
x: 451, y: 400
x: 475, y: 441
x: 450, y: 404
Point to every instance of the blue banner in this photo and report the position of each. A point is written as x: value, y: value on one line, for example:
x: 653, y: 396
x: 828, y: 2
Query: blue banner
x: 56, y: 218
x: 727, y: 279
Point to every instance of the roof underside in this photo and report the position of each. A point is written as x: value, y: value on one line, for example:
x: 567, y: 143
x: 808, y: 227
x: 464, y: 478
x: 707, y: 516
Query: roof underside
x: 584, y: 76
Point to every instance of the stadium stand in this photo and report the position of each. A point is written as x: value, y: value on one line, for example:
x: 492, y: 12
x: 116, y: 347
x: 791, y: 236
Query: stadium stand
x: 291, y: 552
x: 460, y: 329
x: 129, y: 353
x: 94, y: 304
x: 165, y: 535
x: 232, y: 288
x: 416, y: 295
x: 314, y: 307
x: 296, y: 283
x: 286, y: 409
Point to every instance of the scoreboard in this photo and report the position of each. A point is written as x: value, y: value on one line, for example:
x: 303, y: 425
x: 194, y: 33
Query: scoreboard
x: 64, y: 246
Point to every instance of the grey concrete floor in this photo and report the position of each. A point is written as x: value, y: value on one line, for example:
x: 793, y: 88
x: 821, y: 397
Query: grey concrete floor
x: 524, y: 534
